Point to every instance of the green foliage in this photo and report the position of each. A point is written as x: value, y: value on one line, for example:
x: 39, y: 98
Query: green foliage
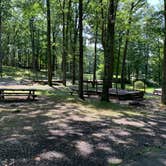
x: 145, y: 46
x: 139, y: 85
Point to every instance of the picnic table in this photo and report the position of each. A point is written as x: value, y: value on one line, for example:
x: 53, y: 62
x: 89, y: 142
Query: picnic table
x: 8, y: 91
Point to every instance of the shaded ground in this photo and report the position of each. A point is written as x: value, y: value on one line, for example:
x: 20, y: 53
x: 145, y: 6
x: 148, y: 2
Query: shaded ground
x: 153, y: 158
x: 69, y: 132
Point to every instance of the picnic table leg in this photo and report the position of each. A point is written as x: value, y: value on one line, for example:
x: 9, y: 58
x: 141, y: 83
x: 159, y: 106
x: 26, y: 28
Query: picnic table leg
x: 29, y: 95
x: 96, y: 87
x: 2, y: 94
x: 33, y: 95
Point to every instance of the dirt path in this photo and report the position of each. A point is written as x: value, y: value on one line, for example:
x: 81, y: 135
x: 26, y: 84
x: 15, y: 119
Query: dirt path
x: 55, y: 133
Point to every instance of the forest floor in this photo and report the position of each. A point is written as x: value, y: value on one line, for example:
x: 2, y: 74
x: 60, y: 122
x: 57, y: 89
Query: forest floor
x: 59, y: 129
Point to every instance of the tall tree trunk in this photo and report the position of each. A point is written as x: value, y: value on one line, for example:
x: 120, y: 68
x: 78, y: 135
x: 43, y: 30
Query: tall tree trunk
x: 159, y: 64
x: 163, y: 98
x: 118, y: 59
x: 68, y: 17
x: 49, y: 44
x: 54, y: 53
x: 123, y: 72
x: 146, y: 61
x: 81, y: 70
x: 159, y: 68
x: 74, y: 46
x: 95, y: 57
x: 129, y: 72
x: 37, y: 51
x: 64, y: 54
x: 1, y: 52
x: 31, y: 22
x: 109, y: 50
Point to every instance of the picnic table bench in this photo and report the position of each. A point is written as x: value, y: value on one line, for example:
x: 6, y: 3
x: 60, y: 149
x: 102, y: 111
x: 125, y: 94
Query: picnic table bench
x: 118, y: 93
x: 126, y: 95
x: 74, y: 90
x: 15, y: 92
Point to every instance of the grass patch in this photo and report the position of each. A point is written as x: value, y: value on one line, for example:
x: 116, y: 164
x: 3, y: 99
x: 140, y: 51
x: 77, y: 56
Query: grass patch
x: 19, y: 73
x: 96, y: 107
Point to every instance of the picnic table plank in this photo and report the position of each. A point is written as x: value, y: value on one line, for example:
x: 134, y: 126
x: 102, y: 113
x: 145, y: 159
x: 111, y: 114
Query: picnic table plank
x: 9, y: 91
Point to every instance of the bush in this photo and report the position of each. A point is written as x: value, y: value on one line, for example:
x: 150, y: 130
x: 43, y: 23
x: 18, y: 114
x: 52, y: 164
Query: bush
x: 139, y: 85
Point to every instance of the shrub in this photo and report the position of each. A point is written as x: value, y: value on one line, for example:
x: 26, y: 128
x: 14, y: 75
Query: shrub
x: 139, y: 85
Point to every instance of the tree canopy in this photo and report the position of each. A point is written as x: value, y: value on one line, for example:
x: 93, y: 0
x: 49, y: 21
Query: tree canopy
x: 104, y: 39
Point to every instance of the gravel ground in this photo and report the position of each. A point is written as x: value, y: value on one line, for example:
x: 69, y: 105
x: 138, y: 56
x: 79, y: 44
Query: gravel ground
x: 54, y: 133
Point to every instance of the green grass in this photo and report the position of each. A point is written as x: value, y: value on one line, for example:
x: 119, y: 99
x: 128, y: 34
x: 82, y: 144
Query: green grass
x: 18, y: 73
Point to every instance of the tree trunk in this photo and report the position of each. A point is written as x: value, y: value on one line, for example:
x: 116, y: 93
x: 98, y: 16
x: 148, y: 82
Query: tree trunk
x: 37, y: 51
x: 1, y: 52
x: 163, y: 98
x: 64, y: 54
x: 123, y: 72
x: 159, y: 65
x: 49, y: 44
x: 109, y: 51
x: 74, y: 48
x: 54, y: 53
x: 95, y: 57
x: 31, y: 22
x: 81, y: 70
x: 129, y: 72
x: 118, y: 60
x: 146, y: 61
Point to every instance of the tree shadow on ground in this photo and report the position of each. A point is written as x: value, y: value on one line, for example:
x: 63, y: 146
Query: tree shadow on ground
x: 53, y: 133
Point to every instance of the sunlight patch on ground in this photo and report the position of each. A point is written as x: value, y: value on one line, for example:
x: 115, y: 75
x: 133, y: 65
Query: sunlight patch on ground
x: 51, y: 155
x: 114, y: 161
x: 84, y: 148
x: 129, y: 122
x: 78, y: 111
x: 98, y: 112
x: 134, y: 113
x: 104, y: 147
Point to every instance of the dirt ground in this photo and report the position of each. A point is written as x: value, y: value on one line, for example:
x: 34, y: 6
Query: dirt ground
x: 71, y: 133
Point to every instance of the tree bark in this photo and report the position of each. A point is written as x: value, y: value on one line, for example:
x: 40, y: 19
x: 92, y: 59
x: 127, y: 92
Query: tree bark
x: 31, y: 22
x: 118, y: 59
x: 163, y: 98
x: 54, y: 53
x: 109, y: 50
x: 1, y: 52
x: 49, y: 44
x: 81, y: 70
x: 64, y: 54
x: 74, y: 46
x: 95, y: 56
x: 159, y: 64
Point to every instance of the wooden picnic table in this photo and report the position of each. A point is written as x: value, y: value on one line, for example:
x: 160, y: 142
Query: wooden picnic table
x: 17, y: 91
x: 118, y: 93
